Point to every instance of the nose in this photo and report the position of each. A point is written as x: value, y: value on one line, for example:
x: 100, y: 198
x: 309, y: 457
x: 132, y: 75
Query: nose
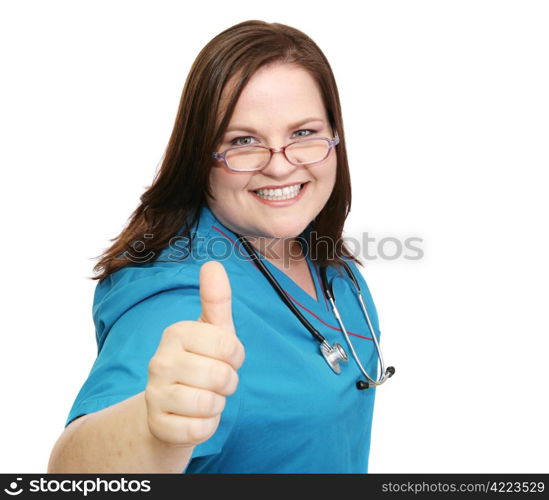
x: 279, y: 166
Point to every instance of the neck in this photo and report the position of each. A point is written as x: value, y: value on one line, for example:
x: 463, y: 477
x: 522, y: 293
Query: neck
x: 282, y: 252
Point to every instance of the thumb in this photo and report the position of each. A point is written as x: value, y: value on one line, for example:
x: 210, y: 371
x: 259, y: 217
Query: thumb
x: 215, y: 296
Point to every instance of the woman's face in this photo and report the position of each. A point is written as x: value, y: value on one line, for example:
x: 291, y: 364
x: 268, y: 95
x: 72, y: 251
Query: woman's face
x: 280, y: 104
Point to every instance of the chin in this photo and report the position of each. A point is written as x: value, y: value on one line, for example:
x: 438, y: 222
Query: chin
x: 285, y: 231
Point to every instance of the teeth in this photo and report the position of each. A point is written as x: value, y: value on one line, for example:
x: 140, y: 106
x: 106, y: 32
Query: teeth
x: 278, y: 194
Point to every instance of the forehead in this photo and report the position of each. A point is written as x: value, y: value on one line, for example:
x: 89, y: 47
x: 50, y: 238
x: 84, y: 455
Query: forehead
x: 276, y: 95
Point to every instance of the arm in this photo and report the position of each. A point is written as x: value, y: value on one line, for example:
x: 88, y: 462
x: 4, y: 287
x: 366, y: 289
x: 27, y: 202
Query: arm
x: 187, y: 381
x: 116, y: 439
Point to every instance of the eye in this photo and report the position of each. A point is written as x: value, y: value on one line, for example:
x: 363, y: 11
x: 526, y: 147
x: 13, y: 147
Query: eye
x: 245, y: 140
x: 234, y: 142
x: 305, y: 130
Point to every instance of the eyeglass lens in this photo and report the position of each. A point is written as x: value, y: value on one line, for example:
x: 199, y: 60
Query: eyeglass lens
x: 253, y: 157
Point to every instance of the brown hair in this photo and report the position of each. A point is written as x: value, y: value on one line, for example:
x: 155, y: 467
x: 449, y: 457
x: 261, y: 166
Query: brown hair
x: 179, y: 187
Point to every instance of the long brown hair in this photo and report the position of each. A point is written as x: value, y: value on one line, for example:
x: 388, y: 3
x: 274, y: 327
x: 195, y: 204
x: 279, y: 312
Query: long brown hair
x: 181, y: 183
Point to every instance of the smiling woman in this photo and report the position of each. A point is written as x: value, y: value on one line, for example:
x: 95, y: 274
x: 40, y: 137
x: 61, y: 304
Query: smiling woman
x: 264, y: 79
x: 201, y: 366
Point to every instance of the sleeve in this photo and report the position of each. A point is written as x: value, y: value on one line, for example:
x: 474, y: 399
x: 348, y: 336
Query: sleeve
x: 121, y: 367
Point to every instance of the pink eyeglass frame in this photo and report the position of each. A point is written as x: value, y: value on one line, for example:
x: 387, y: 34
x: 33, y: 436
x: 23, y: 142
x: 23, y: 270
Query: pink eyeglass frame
x: 221, y: 156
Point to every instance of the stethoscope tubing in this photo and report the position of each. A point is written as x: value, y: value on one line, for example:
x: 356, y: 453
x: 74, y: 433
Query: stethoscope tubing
x: 327, y: 286
x: 272, y: 280
x: 335, y: 353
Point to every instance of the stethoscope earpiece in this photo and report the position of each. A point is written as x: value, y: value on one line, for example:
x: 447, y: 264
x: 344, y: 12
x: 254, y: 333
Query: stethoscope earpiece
x: 362, y: 384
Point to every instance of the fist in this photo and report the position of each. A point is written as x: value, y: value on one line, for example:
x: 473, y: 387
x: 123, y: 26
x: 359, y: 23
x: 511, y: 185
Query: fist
x: 195, y: 367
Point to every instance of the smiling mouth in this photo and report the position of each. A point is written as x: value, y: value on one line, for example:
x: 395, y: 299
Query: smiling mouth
x: 280, y: 194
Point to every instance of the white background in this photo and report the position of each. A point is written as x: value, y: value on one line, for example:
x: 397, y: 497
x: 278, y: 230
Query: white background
x: 446, y: 116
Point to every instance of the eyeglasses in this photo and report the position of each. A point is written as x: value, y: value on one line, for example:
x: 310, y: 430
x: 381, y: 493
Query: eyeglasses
x: 251, y: 158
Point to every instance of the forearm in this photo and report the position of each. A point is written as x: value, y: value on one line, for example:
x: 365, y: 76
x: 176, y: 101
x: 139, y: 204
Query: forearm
x: 116, y: 439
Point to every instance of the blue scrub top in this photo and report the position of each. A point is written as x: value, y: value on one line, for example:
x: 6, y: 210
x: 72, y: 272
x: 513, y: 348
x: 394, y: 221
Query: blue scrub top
x: 290, y: 413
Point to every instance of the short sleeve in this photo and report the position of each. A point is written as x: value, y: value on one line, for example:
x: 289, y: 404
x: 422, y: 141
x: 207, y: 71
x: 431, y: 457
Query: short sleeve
x: 121, y: 367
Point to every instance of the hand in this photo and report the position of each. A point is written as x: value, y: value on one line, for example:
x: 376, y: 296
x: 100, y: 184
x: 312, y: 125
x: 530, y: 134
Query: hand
x: 194, y: 367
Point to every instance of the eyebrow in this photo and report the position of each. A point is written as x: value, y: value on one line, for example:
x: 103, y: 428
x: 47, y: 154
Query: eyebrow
x: 291, y: 127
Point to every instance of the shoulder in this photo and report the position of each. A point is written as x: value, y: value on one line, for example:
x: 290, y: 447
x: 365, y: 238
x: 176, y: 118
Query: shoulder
x: 360, y: 274
x: 169, y: 285
x: 356, y: 268
x: 135, y: 287
x: 177, y: 266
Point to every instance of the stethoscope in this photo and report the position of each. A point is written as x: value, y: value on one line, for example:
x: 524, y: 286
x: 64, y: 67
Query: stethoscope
x: 333, y: 354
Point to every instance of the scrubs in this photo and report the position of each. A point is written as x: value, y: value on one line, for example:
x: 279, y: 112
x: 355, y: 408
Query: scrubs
x: 290, y: 413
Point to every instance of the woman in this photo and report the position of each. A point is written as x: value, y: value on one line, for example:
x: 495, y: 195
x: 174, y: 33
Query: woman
x: 201, y: 365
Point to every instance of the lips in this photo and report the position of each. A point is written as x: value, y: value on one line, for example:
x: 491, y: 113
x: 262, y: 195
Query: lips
x: 279, y: 193
x: 280, y: 196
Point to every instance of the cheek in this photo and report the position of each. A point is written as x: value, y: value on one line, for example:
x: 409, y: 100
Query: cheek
x: 225, y: 182
x: 326, y: 175
x: 333, y: 172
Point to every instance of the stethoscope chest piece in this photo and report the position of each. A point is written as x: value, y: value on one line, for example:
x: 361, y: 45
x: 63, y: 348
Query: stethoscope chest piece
x: 333, y: 355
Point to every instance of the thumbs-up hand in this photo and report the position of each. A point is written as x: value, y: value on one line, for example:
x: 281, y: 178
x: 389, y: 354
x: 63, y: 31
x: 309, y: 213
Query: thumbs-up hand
x: 194, y: 367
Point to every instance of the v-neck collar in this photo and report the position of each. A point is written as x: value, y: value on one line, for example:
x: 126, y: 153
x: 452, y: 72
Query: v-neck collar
x: 297, y: 293
x: 301, y: 297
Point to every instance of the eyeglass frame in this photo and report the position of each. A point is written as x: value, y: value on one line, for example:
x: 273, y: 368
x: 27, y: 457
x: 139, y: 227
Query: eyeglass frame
x: 222, y: 156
